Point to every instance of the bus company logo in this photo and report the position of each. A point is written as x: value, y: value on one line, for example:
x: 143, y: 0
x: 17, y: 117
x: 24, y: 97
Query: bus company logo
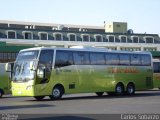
x: 157, y: 77
x: 123, y: 70
x: 9, y: 117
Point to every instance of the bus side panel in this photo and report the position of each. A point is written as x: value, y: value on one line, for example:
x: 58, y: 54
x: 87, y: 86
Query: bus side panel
x: 5, y: 83
x: 156, y: 80
x: 140, y: 76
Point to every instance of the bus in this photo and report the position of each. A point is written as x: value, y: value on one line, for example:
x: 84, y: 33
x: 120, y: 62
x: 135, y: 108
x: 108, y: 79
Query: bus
x: 53, y: 72
x: 156, y: 74
x: 5, y: 82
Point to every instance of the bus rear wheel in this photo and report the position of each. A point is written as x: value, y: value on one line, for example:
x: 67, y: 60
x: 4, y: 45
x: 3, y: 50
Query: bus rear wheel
x: 57, y: 92
x: 119, y: 89
x: 99, y: 93
x: 130, y: 89
x: 39, y: 97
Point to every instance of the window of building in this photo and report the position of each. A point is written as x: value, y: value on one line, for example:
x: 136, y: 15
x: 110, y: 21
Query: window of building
x: 135, y: 39
x: 112, y: 59
x: 27, y: 35
x: 111, y: 48
x: 123, y: 39
x: 111, y: 38
x: 81, y: 58
x: 72, y: 37
x: 124, y: 59
x: 146, y: 60
x: 149, y: 39
x: 43, y: 35
x: 11, y: 34
x: 97, y: 58
x: 58, y: 36
x: 150, y: 49
x: 98, y: 38
x: 85, y: 38
x: 135, y: 59
x: 63, y: 58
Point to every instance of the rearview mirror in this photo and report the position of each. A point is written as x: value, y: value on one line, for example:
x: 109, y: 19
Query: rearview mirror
x: 41, y: 72
x: 32, y: 66
x: 8, y: 66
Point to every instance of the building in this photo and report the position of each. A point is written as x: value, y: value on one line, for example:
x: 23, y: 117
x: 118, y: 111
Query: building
x: 15, y: 36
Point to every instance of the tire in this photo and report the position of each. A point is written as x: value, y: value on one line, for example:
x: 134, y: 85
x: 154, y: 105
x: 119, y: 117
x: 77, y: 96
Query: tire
x: 130, y: 89
x: 39, y: 97
x: 57, y: 93
x: 99, y: 93
x: 119, y: 89
x: 110, y: 93
x: 1, y: 93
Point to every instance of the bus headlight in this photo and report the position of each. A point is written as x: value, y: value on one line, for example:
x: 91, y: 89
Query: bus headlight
x: 29, y: 87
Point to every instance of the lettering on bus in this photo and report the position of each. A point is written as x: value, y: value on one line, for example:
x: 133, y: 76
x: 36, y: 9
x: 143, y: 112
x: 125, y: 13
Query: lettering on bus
x: 123, y: 70
x: 157, y: 77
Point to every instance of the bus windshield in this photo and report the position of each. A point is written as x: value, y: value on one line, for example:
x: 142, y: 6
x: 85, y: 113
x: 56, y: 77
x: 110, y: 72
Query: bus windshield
x: 21, y: 70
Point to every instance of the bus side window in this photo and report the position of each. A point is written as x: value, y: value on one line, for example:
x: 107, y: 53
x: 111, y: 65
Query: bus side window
x: 46, y: 58
x: 112, y: 59
x: 124, y: 59
x: 135, y: 59
x: 81, y: 58
x: 63, y: 58
x: 156, y: 67
x: 97, y: 58
x: 146, y: 60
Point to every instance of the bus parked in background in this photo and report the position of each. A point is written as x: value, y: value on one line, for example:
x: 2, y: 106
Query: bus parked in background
x: 156, y: 74
x: 52, y: 72
x: 5, y: 82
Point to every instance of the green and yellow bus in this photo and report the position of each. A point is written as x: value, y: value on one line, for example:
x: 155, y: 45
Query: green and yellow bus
x: 156, y: 74
x: 51, y: 71
x: 5, y: 82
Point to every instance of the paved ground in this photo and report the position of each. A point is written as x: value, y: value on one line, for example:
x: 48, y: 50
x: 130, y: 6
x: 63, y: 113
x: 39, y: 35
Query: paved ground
x: 141, y: 103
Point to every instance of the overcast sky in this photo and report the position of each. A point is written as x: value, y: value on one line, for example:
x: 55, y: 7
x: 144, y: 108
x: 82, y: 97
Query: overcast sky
x: 141, y: 15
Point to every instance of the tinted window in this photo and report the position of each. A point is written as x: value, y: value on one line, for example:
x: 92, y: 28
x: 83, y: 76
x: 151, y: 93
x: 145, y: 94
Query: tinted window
x: 46, y: 58
x: 112, y: 59
x: 135, y: 59
x: 63, y: 58
x: 156, y: 67
x: 81, y: 58
x: 146, y: 60
x: 32, y: 54
x: 124, y: 59
x: 97, y: 58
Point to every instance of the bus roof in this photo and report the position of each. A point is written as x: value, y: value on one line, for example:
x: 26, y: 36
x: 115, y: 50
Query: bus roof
x: 89, y: 49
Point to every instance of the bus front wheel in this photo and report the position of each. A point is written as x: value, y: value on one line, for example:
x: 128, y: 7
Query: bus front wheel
x: 99, y: 93
x: 119, y: 89
x: 39, y: 97
x: 57, y: 92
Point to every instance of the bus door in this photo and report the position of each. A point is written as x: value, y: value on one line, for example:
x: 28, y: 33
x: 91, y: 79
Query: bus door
x: 44, y: 69
x: 65, y: 71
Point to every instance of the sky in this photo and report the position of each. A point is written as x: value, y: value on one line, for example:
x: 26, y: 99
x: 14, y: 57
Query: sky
x: 141, y: 15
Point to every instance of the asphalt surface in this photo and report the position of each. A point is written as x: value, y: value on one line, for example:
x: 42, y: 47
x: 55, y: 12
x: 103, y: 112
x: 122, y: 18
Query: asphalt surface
x: 81, y: 106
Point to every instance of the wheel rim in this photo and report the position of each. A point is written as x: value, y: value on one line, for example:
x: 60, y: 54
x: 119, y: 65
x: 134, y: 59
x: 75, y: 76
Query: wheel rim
x: 119, y: 89
x: 130, y: 89
x: 56, y: 92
